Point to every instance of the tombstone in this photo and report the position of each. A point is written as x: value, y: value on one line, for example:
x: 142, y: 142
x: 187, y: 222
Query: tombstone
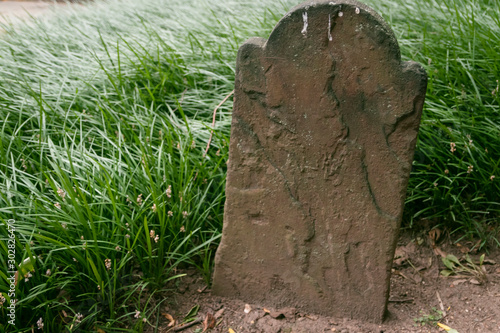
x: 324, y: 126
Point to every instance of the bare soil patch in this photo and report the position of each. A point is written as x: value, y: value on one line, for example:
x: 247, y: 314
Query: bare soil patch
x: 468, y: 301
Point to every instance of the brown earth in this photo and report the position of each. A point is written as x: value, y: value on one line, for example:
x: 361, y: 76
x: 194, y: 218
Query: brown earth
x: 18, y: 11
x: 421, y: 296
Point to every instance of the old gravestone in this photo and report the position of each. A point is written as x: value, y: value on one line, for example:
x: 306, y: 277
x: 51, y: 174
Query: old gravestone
x: 323, y: 132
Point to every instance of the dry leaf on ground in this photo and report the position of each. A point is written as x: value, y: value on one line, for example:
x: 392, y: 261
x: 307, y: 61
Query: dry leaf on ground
x: 209, y: 322
x: 457, y: 282
x: 434, y: 235
x: 447, y: 328
x: 171, y: 320
x: 219, y: 313
x: 438, y: 251
x: 402, y: 253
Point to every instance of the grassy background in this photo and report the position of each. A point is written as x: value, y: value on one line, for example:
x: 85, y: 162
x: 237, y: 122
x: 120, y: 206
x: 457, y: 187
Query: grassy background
x: 454, y: 184
x: 105, y: 116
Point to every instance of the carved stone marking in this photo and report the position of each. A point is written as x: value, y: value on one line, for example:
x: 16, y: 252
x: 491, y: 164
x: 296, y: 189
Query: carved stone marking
x: 323, y: 132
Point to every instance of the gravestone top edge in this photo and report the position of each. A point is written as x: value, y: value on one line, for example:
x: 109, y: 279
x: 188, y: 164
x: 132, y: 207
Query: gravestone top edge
x: 335, y: 7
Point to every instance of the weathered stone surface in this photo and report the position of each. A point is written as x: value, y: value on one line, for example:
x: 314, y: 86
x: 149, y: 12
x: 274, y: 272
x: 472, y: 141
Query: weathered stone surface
x: 323, y: 132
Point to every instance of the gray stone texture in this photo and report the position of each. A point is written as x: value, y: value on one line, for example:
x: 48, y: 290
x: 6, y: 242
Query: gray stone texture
x: 323, y: 132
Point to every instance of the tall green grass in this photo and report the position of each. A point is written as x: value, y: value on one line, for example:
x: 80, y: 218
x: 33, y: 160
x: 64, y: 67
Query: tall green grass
x: 455, y: 182
x: 105, y: 116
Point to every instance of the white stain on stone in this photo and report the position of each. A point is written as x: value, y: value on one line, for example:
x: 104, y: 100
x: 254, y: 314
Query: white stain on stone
x: 332, y: 3
x: 304, y: 29
x: 357, y: 10
x: 330, y: 38
x: 341, y: 14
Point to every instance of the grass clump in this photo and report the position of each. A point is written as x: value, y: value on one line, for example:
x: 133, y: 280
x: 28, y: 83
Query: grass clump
x: 455, y: 180
x: 105, y: 115
x: 105, y: 119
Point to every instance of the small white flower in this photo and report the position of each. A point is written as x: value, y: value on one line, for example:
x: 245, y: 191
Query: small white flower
x: 58, y: 205
x: 61, y: 193
x: 24, y: 164
x: 107, y: 263
x: 154, y: 208
x: 48, y: 272
x: 118, y: 248
x: 168, y: 192
x: 39, y: 323
x: 170, y: 213
x: 78, y: 318
x: 137, y: 314
x: 185, y: 214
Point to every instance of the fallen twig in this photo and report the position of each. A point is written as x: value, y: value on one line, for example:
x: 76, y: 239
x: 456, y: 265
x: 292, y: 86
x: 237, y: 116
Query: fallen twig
x: 202, y: 289
x: 440, y: 301
x: 404, y: 300
x: 188, y: 325
x: 213, y: 122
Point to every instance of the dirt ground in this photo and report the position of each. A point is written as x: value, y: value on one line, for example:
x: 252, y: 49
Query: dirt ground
x: 468, y: 300
x: 22, y: 11
x: 14, y: 11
